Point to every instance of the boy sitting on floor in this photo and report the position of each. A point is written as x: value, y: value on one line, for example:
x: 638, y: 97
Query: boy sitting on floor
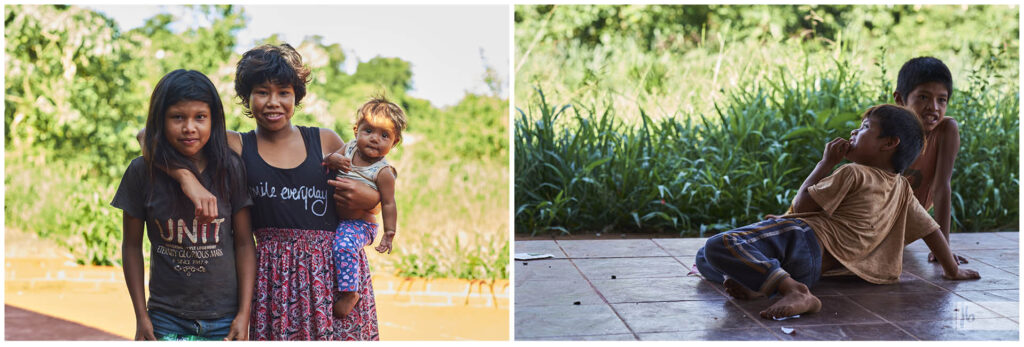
x: 860, y: 218
x: 925, y: 85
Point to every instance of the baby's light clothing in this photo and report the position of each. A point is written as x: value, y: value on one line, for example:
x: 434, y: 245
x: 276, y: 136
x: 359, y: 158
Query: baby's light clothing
x: 365, y: 174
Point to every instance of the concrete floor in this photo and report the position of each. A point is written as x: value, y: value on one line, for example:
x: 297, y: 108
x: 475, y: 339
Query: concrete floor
x: 638, y: 289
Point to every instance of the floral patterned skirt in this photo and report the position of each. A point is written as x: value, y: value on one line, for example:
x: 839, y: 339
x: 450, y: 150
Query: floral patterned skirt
x: 295, y: 286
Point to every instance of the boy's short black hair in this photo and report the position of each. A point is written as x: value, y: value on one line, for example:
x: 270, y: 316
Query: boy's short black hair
x: 280, y: 64
x: 922, y: 70
x: 900, y: 122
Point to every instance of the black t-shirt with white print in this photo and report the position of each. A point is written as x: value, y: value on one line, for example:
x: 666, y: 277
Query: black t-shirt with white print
x: 192, y: 270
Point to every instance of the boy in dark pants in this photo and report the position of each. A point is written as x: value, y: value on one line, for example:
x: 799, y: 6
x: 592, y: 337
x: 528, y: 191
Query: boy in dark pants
x: 860, y: 217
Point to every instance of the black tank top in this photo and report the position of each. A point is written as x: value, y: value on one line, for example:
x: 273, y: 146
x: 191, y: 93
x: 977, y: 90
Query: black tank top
x: 296, y: 198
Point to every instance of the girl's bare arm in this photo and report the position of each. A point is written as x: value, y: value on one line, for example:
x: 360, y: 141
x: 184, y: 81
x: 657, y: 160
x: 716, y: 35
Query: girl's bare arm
x: 245, y: 266
x: 204, y: 201
x: 131, y: 259
x: 330, y: 142
x: 386, y: 185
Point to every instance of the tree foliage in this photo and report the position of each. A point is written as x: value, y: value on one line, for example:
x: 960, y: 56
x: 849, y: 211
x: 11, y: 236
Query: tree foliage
x: 71, y: 86
x: 77, y: 90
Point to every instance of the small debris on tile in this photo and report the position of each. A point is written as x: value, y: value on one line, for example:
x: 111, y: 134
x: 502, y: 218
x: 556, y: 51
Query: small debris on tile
x: 525, y: 263
x: 613, y: 276
x: 788, y: 331
x: 576, y: 303
x: 532, y: 256
x: 785, y: 318
x: 693, y: 271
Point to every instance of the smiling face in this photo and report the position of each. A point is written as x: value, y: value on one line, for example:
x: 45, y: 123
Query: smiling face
x: 272, y: 105
x: 375, y: 137
x: 187, y: 127
x: 928, y: 100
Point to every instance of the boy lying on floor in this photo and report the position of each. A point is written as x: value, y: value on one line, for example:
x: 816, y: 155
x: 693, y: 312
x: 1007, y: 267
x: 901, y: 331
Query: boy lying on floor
x: 860, y: 217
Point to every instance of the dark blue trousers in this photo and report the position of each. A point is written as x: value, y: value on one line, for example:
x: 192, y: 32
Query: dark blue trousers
x: 762, y: 254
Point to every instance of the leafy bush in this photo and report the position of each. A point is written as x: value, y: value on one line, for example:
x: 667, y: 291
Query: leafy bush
x: 700, y: 118
x: 77, y: 91
x: 591, y: 171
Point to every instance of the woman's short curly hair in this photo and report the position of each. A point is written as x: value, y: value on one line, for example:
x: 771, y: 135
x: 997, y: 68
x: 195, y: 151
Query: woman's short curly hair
x: 278, y: 64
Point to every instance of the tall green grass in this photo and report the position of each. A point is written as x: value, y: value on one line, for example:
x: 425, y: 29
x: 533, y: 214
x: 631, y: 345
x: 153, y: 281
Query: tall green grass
x: 986, y: 176
x: 672, y: 60
x: 580, y: 167
x: 710, y: 120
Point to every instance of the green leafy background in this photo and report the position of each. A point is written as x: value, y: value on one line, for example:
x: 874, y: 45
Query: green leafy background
x: 698, y: 119
x: 77, y: 89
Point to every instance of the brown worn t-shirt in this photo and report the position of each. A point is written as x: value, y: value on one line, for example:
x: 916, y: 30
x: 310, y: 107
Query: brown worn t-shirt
x: 921, y: 173
x: 868, y: 215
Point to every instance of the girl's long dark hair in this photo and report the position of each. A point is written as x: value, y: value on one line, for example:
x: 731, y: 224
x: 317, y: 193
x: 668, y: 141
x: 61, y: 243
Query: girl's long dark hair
x: 190, y: 85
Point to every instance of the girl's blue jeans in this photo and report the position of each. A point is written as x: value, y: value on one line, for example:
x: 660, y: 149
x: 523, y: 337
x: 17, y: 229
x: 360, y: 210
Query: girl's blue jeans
x: 760, y: 255
x: 211, y: 329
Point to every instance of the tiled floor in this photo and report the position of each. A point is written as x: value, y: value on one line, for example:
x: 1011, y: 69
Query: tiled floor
x: 638, y: 289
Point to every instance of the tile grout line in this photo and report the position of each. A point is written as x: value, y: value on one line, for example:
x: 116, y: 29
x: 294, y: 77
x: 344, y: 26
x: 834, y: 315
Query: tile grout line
x: 894, y: 323
x: 729, y: 299
x: 897, y: 326
x: 598, y: 292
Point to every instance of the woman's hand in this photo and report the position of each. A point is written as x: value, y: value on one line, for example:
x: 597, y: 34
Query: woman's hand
x: 352, y: 195
x: 239, y: 329
x: 144, y: 330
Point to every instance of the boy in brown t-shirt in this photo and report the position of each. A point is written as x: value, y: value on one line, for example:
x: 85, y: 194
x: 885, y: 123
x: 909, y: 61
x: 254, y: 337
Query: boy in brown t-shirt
x: 860, y: 217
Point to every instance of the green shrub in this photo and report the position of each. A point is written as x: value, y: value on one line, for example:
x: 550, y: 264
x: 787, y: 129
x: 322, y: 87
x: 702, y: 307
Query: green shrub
x: 589, y: 171
x: 77, y: 90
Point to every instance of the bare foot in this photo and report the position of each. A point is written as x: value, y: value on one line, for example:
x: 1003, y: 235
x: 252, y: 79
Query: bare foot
x: 796, y: 299
x: 959, y: 258
x: 739, y: 291
x: 345, y: 303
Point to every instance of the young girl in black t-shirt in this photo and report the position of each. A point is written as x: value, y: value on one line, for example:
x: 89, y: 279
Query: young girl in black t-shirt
x: 202, y: 274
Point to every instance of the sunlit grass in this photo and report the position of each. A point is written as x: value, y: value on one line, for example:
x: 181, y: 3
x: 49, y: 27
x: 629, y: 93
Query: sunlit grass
x: 716, y: 133
x: 453, y: 215
x: 453, y: 218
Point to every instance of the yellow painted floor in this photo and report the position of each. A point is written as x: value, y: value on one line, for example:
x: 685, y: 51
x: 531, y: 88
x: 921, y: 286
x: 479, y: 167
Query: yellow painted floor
x: 41, y: 278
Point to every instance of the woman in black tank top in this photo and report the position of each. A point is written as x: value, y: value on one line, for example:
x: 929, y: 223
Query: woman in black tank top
x: 293, y: 208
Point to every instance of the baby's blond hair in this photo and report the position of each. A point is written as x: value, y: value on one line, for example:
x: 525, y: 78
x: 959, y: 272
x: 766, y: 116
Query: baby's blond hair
x: 378, y: 110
